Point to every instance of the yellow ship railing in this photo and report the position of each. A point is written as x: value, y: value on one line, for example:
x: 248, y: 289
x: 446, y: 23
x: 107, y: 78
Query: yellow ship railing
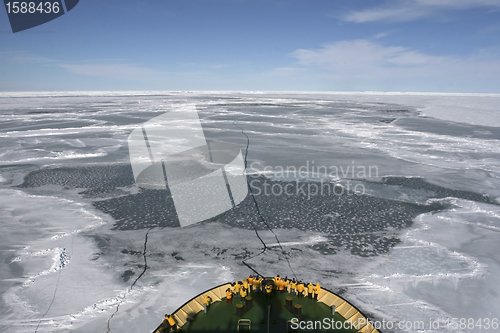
x: 344, y: 308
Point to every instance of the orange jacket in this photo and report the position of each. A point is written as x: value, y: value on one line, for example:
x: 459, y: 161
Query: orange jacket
x: 171, y: 320
x: 229, y: 294
x: 276, y: 280
x: 281, y: 285
x: 269, y: 289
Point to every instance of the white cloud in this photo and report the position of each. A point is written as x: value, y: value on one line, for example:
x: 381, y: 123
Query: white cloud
x: 400, y: 13
x: 23, y: 57
x: 460, y: 4
x: 362, y: 58
x: 367, y: 60
x: 409, y: 10
x: 381, y: 35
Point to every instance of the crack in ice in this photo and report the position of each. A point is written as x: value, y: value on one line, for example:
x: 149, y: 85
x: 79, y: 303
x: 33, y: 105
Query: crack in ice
x: 135, y: 281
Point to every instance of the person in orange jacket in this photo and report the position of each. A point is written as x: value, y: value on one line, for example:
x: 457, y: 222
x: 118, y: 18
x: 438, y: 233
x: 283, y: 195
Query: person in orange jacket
x: 293, y: 286
x: 281, y: 286
x: 206, y: 302
x: 276, y: 280
x: 317, y: 288
x: 169, y: 324
x: 310, y: 290
x: 268, y: 290
x: 300, y: 289
x: 257, y: 281
x: 237, y: 287
x: 229, y: 296
x: 243, y: 294
x: 250, y: 283
x: 245, y: 283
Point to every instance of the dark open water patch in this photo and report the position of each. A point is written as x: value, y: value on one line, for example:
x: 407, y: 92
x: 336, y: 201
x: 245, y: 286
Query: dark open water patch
x: 127, y: 275
x: 444, y: 127
x: 440, y: 192
x: 366, y: 225
x: 96, y: 179
x: 363, y: 224
x: 147, y: 209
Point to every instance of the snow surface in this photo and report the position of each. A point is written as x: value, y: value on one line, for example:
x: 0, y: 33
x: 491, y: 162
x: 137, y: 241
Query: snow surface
x: 63, y: 262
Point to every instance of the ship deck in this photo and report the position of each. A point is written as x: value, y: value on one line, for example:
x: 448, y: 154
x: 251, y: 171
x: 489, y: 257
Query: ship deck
x: 221, y: 317
x: 269, y: 313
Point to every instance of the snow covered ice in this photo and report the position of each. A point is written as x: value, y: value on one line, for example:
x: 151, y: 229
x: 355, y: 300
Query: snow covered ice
x: 420, y: 243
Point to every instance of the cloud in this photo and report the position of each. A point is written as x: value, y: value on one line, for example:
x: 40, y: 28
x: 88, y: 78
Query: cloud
x: 381, y: 35
x: 23, y: 57
x: 364, y: 60
x: 401, y: 13
x: 409, y: 10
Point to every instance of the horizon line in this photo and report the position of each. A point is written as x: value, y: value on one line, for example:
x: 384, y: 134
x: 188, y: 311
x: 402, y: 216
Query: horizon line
x: 71, y: 93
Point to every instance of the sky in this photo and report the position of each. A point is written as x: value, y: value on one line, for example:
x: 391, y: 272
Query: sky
x: 259, y: 45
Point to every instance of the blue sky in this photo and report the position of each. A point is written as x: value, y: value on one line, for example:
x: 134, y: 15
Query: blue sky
x: 313, y: 45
